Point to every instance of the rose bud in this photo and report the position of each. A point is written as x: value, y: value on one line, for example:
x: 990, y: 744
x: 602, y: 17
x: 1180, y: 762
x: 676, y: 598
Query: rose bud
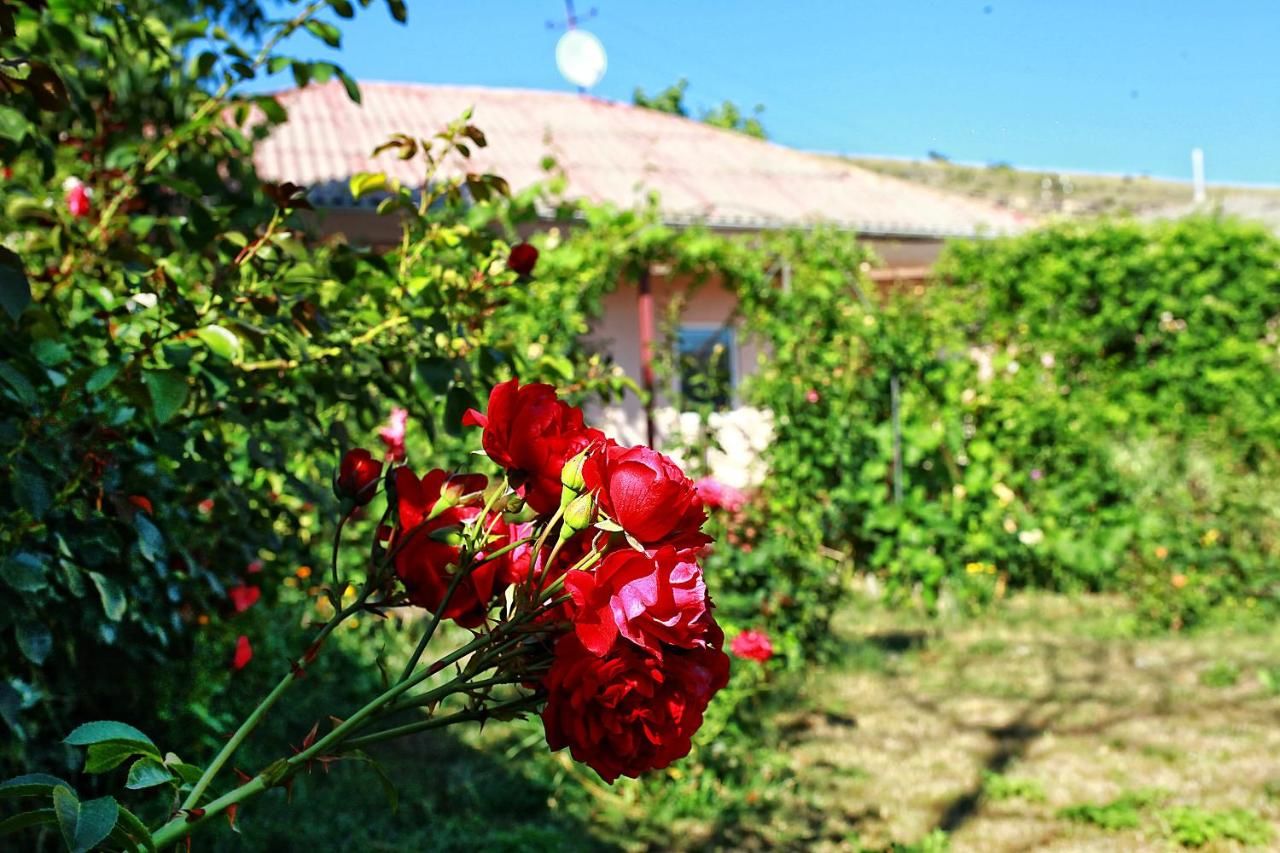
x: 358, y: 475
x: 571, y: 473
x: 578, y: 515
x: 522, y: 260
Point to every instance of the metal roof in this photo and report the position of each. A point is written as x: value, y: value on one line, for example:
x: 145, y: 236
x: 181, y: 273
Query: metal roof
x: 610, y: 152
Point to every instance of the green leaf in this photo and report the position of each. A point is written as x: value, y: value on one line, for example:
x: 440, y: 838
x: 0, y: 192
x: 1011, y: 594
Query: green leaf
x: 101, y: 378
x: 105, y: 731
x: 349, y: 83
x: 29, y: 488
x: 102, y: 757
x: 150, y: 540
x: 147, y: 773
x: 84, y: 824
x: 15, y: 290
x: 326, y: 32
x: 204, y: 63
x: 435, y: 372
x: 363, y: 183
x: 113, y: 601
x: 398, y: 10
x: 342, y: 8
x: 34, y: 641
x: 18, y: 383
x: 134, y: 830
x: 39, y: 817
x: 222, y: 342
x: 276, y: 64
x: 168, y: 390
x: 13, y: 124
x: 24, y: 571
x: 301, y: 73
x: 30, y: 785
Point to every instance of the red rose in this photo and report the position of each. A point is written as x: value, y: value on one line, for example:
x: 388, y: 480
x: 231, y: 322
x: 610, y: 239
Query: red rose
x: 650, y: 599
x: 243, y: 653
x: 141, y: 502
x: 243, y: 596
x: 357, y: 478
x: 424, y: 564
x: 628, y: 712
x: 647, y: 494
x: 531, y: 433
x: 522, y: 260
x: 752, y: 645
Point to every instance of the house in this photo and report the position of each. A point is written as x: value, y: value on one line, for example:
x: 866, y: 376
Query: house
x: 618, y: 153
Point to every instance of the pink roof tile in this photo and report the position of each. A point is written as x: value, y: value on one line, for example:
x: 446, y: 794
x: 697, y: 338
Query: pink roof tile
x: 615, y: 153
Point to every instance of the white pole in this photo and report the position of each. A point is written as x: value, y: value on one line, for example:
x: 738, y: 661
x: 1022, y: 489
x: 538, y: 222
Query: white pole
x: 1197, y: 175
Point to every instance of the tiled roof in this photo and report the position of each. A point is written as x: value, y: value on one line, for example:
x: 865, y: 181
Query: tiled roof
x: 611, y: 152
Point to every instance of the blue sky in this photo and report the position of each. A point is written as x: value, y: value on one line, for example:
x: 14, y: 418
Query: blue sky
x: 1126, y: 86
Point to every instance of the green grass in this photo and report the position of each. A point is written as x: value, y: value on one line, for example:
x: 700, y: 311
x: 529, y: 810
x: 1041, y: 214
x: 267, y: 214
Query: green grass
x: 998, y: 788
x: 1195, y: 827
x: 1221, y: 674
x: 922, y: 735
x: 1124, y: 812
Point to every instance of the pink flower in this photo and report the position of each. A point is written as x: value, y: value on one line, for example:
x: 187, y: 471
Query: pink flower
x: 393, y: 433
x: 752, y: 645
x: 77, y: 198
x: 717, y: 495
x: 812, y: 396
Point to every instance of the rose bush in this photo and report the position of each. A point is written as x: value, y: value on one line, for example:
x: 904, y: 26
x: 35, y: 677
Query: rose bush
x: 623, y: 682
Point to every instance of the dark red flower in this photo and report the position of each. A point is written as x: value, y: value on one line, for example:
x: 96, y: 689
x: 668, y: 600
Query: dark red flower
x: 142, y: 502
x: 628, y: 712
x: 357, y: 478
x: 243, y: 653
x: 425, y: 562
x: 650, y: 599
x: 522, y: 260
x: 752, y: 645
x: 243, y: 596
x: 531, y: 433
x: 647, y: 494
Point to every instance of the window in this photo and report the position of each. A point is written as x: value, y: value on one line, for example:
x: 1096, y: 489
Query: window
x: 706, y: 362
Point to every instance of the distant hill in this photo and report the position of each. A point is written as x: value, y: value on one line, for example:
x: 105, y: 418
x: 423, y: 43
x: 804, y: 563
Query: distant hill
x: 1042, y: 193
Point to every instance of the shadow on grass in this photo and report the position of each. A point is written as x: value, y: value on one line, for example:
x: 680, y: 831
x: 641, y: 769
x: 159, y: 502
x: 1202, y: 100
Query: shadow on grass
x: 451, y: 797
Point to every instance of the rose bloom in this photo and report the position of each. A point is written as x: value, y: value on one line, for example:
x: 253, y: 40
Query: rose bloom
x: 243, y: 653
x: 77, y: 198
x: 393, y: 433
x: 531, y: 433
x: 650, y: 599
x: 522, y: 260
x: 752, y: 645
x: 717, y: 495
x: 647, y: 494
x: 628, y: 712
x: 357, y: 478
x: 424, y: 564
x: 243, y: 596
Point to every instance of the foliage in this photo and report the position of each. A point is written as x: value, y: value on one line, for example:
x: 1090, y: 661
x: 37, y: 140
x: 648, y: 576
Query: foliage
x: 1196, y: 827
x: 1086, y: 407
x: 1124, y: 812
x: 183, y: 364
x: 727, y: 115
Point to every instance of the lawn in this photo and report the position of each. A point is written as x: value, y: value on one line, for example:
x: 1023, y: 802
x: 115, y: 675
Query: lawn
x: 1042, y: 725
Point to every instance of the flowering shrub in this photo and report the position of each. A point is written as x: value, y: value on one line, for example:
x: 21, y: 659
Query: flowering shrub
x: 570, y: 613
x: 182, y: 363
